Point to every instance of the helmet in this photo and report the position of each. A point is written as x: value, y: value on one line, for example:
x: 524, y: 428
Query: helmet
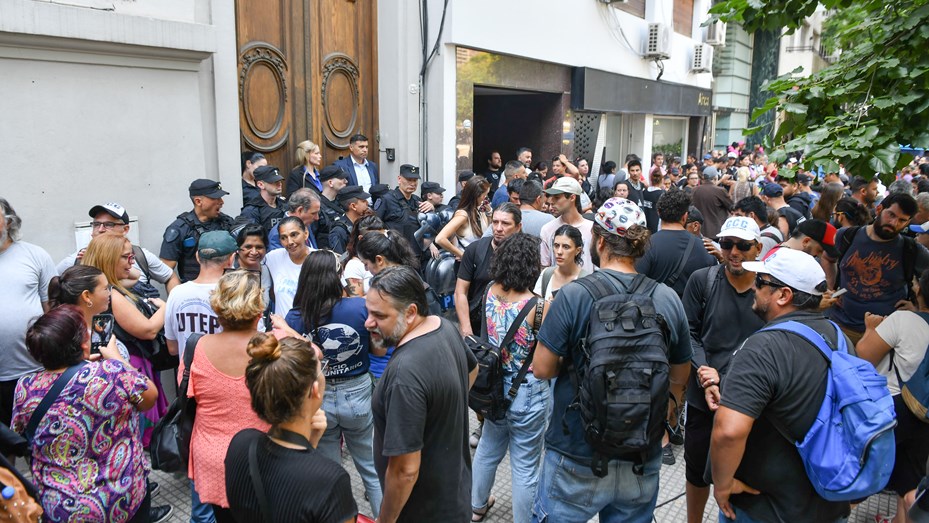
x: 440, y: 274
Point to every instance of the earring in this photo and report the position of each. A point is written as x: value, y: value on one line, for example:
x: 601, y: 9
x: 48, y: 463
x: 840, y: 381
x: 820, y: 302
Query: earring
x: 90, y: 304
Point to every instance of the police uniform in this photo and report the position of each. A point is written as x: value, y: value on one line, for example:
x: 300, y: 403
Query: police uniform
x: 179, y: 243
x: 342, y: 226
x: 400, y: 214
x: 257, y: 210
x: 329, y: 210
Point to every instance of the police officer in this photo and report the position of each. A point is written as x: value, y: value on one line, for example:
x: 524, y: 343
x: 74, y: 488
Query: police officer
x: 270, y: 208
x: 179, y: 246
x: 354, y: 200
x: 400, y: 207
x: 333, y: 178
x: 432, y: 192
x: 463, y: 178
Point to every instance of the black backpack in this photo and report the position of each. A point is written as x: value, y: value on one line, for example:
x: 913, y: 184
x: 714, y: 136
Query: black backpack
x: 622, y: 377
x: 486, y: 396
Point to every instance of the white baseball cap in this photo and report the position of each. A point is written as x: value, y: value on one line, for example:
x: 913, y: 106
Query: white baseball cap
x: 796, y: 269
x: 565, y: 184
x: 741, y: 227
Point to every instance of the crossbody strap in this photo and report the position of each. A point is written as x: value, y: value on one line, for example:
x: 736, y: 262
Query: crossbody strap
x: 524, y: 369
x: 691, y: 240
x: 50, y: 398
x: 257, y: 483
x: 189, y: 348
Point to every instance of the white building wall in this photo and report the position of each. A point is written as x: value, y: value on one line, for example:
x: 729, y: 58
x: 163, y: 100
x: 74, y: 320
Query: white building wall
x: 125, y: 101
x: 576, y: 33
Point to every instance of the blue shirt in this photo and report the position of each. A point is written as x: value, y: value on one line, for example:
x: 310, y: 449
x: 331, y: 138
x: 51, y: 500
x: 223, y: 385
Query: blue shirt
x: 379, y: 363
x: 500, y: 196
x: 565, y: 326
x: 342, y: 337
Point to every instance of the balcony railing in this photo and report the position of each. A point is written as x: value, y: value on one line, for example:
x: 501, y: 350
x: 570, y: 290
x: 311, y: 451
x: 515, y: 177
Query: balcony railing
x: 811, y: 49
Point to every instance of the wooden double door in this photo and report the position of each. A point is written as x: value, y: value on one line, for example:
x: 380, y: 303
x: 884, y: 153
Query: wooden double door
x: 307, y: 71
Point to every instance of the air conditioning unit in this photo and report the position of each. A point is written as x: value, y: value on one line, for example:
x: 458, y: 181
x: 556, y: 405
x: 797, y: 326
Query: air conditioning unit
x: 716, y: 33
x: 658, y: 42
x: 703, y: 59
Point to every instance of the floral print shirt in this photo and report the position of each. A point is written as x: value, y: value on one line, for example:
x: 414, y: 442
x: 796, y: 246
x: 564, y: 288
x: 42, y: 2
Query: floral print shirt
x: 500, y: 315
x: 87, y: 458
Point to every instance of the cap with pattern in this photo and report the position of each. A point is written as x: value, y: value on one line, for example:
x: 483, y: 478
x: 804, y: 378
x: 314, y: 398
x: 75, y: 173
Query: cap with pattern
x: 113, y: 209
x: 616, y: 215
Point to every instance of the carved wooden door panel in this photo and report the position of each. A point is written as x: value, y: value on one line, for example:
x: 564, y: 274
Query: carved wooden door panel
x: 307, y: 71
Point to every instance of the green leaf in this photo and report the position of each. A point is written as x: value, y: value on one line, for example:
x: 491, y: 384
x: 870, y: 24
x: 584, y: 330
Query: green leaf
x: 777, y: 156
x: 884, y: 160
x: 796, y: 108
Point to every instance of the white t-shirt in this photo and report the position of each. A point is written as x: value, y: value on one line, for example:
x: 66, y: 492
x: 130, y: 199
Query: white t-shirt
x: 355, y: 269
x: 188, y: 311
x: 548, y: 238
x: 549, y: 292
x: 26, y: 270
x: 908, y: 335
x: 285, y: 275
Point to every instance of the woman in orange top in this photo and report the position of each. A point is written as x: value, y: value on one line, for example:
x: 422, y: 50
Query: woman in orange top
x: 217, y: 382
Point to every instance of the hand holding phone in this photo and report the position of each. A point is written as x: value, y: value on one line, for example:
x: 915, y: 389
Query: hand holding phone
x: 839, y: 292
x: 101, y: 330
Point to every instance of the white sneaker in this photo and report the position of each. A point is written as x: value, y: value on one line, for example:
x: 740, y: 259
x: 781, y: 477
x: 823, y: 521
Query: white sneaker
x: 476, y: 436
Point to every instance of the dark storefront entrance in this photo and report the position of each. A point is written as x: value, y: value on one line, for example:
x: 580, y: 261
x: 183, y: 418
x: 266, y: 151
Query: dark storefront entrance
x: 506, y: 119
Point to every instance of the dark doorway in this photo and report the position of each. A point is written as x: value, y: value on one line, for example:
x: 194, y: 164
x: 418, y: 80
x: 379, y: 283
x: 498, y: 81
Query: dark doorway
x: 507, y: 119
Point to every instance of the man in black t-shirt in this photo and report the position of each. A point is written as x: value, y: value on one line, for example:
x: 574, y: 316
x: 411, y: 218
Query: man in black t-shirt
x: 665, y: 260
x: 718, y: 302
x: 776, y: 379
x: 788, y: 217
x: 420, y: 405
x: 474, y: 272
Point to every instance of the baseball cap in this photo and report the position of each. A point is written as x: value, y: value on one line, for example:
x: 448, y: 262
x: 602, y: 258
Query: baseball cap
x: 464, y: 176
x: 565, y: 184
x: 113, y: 209
x: 804, y: 179
x: 797, y: 269
x: 267, y: 174
x: 352, y: 192
x: 707, y: 156
x: 378, y: 190
x: 732, y: 155
x: 694, y: 215
x: 920, y: 229
x: 772, y: 190
x: 410, y: 172
x: 710, y: 173
x: 332, y: 171
x: 208, y: 188
x: 822, y: 232
x: 215, y: 244
x: 618, y: 214
x: 428, y: 187
x: 740, y: 227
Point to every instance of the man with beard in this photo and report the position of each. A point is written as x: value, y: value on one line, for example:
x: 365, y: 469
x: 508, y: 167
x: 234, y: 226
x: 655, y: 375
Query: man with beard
x: 865, y: 191
x: 794, y: 196
x: 770, y: 398
x: 814, y: 237
x: 718, y: 302
x: 494, y: 170
x: 566, y: 205
x: 420, y: 405
x: 876, y: 265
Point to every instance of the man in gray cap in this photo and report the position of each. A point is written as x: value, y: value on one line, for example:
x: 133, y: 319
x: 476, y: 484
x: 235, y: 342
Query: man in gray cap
x: 179, y: 244
x: 400, y: 208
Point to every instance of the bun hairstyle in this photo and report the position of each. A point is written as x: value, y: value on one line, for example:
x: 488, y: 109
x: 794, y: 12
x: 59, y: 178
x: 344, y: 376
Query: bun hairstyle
x: 67, y: 288
x: 632, y: 245
x: 279, y: 376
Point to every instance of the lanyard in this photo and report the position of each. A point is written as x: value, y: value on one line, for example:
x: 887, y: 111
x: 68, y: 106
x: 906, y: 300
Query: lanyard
x: 290, y: 437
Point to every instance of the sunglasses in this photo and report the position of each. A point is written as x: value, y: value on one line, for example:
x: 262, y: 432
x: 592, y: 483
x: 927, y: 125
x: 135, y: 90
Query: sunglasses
x: 743, y: 246
x: 761, y: 282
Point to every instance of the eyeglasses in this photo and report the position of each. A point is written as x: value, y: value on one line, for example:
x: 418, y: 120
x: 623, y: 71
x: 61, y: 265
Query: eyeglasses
x: 129, y: 257
x: 108, y: 226
x: 743, y: 246
x: 761, y: 282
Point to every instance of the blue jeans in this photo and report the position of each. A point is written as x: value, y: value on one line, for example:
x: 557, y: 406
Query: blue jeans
x: 742, y: 517
x: 348, y: 414
x: 522, y: 431
x: 570, y: 492
x: 200, y: 512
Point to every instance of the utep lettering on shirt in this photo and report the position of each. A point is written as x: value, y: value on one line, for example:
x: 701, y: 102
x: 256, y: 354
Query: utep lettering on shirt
x: 197, y: 322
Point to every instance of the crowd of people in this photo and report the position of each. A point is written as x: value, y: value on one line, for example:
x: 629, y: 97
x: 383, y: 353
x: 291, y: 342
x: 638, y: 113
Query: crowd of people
x: 630, y: 312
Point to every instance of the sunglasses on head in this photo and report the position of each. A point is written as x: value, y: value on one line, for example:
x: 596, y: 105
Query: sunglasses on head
x: 743, y: 246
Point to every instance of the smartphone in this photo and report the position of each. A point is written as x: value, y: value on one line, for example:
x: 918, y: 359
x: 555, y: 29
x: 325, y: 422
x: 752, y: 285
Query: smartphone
x: 839, y: 292
x: 100, y: 331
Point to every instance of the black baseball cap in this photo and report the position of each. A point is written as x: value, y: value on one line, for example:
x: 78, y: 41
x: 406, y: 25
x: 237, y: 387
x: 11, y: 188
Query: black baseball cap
x: 464, y: 176
x: 429, y: 187
x: 267, y: 174
x: 822, y: 232
x: 208, y: 188
x: 352, y: 192
x: 332, y: 171
x: 409, y: 171
x: 378, y: 190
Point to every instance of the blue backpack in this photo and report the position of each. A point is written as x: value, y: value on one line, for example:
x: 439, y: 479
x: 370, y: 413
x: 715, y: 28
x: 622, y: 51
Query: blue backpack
x: 849, y: 450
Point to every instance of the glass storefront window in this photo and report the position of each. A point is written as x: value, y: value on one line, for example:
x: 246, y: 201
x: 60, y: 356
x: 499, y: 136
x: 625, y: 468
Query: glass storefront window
x: 669, y: 136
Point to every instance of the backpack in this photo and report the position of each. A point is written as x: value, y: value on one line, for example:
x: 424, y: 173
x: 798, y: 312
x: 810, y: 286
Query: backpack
x: 849, y: 451
x: 909, y: 258
x: 170, y: 443
x: 622, y: 377
x: 915, y: 391
x: 486, y: 396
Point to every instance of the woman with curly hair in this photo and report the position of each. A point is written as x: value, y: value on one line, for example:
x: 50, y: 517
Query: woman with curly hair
x: 286, y: 383
x: 469, y: 221
x: 514, y: 269
x: 217, y: 383
x: 568, y: 251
